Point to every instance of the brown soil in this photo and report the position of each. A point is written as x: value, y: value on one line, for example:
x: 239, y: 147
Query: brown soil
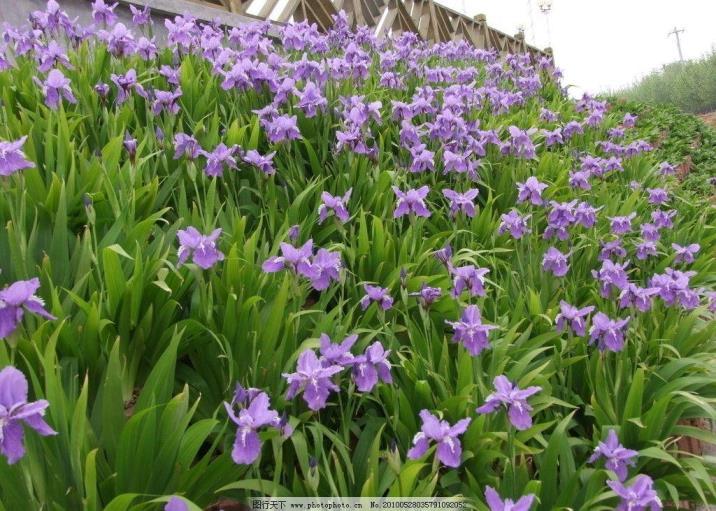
x: 709, y: 118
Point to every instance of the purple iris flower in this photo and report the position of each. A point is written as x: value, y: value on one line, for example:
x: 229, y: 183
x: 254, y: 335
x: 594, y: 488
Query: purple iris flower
x: 371, y: 366
x: 497, y: 504
x: 521, y: 144
x: 613, y: 164
x: 380, y: 295
x: 325, y: 267
x: 444, y: 255
x: 650, y: 232
x: 640, y: 496
x: 16, y: 410
x: 460, y: 163
x: 685, y: 254
x: 12, y: 158
x: 337, y: 354
x: 201, y: 248
x: 586, y: 215
x: 514, y: 399
x: 219, y: 158
x: 294, y: 232
x: 186, y: 145
x: 336, y: 204
x: 639, y: 297
x: 571, y: 129
x: 282, y: 128
x: 516, y: 224
x: 658, y: 196
x: 470, y: 278
x: 181, y: 31
x: 313, y: 379
x: 102, y: 90
x: 411, y: 202
x: 146, y: 48
x: 629, y: 120
x: 645, y: 250
x: 293, y: 258
x: 556, y: 262
x: 166, y: 100
x: 553, y: 137
x: 462, y: 201
x: 608, y: 333
x: 263, y: 163
x: 611, y: 249
x: 17, y: 298
x: 423, y: 160
x: 531, y: 190
x: 470, y: 331
x: 667, y: 169
x: 622, y: 224
x: 611, y: 276
x: 616, y: 133
x: 170, y: 74
x: 55, y: 87
x: 711, y: 301
x: 140, y: 16
x: 663, y: 219
x: 579, y: 179
x: 251, y: 417
x: 547, y: 115
x: 617, y: 457
x: 120, y: 41
x: 427, y: 295
x: 673, y: 287
x: 130, y: 144
x: 560, y: 217
x: 125, y: 84
x: 574, y: 317
x: 449, y: 448
x: 175, y: 503
x: 103, y: 13
x: 310, y: 100
x: 52, y: 55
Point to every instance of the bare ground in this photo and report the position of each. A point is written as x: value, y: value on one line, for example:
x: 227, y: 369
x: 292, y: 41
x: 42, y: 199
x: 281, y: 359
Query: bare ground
x: 709, y: 118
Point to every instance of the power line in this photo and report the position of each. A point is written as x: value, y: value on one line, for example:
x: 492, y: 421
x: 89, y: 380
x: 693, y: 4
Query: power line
x: 676, y: 33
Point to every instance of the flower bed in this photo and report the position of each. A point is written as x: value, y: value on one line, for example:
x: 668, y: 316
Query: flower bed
x: 337, y: 265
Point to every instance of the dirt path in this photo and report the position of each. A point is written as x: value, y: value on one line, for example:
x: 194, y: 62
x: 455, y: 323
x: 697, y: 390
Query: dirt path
x: 709, y: 118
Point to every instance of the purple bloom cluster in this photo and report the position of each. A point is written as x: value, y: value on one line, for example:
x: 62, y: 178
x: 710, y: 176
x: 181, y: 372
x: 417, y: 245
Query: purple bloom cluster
x: 555, y: 262
x: 608, y: 333
x: 514, y: 223
x: 314, y: 376
x: 321, y: 269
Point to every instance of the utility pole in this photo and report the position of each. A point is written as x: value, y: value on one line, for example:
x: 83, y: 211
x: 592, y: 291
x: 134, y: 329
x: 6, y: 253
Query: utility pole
x: 678, y: 41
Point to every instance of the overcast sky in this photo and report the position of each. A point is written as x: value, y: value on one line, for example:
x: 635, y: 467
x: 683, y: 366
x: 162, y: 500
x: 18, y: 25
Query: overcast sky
x: 605, y: 44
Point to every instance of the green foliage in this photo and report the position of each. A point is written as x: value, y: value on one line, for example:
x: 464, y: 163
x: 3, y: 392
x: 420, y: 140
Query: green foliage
x: 680, y: 139
x: 689, y: 85
x: 145, y: 352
